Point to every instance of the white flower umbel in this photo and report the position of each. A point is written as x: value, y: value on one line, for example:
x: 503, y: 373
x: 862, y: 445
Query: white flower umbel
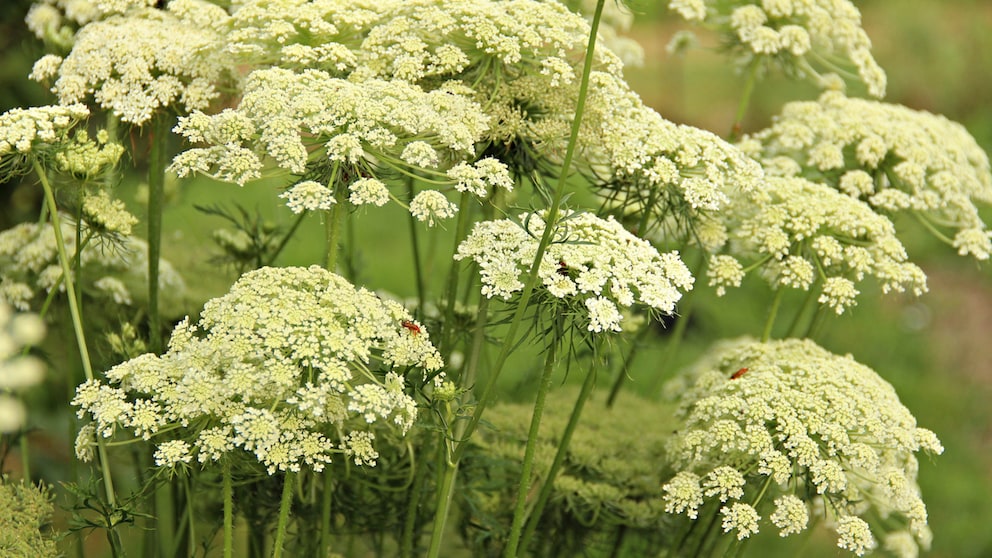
x: 293, y: 366
x: 17, y: 371
x: 640, y: 162
x: 812, y: 39
x: 895, y: 158
x: 797, y: 421
x: 141, y: 63
x: 308, y: 195
x: 806, y: 231
x: 343, y: 131
x: 35, y: 131
x: 594, y: 262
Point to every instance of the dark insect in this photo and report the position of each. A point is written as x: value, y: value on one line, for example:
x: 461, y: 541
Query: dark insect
x: 738, y: 374
x: 562, y: 268
x: 414, y: 328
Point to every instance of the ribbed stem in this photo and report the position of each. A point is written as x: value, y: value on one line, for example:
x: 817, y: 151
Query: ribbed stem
x: 284, y: 505
x: 566, y: 440
x: 77, y: 321
x: 520, y: 512
x: 156, y: 197
x: 228, y: 493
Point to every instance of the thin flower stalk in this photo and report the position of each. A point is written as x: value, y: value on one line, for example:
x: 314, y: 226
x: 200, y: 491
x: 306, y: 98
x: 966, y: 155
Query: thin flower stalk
x: 77, y: 323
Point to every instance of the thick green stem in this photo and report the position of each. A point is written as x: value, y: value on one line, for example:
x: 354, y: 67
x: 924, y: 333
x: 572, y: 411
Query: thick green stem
x: 418, y: 270
x: 325, y: 513
x: 284, y: 505
x: 228, y: 493
x: 447, y: 474
x: 772, y: 313
x: 451, y: 290
x: 77, y: 321
x: 156, y: 197
x: 332, y: 226
x: 566, y: 439
x: 520, y: 512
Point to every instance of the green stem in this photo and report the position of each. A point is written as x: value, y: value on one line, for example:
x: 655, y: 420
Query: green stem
x: 156, y: 195
x: 807, y: 304
x: 228, y: 493
x: 772, y: 313
x: 284, y: 505
x: 325, y: 513
x: 190, y: 518
x: 25, y: 455
x: 520, y: 512
x: 332, y: 225
x: 625, y: 363
x: 413, y: 507
x: 285, y: 239
x: 417, y: 263
x: 566, y: 439
x: 77, y: 321
x: 752, y: 77
x: 451, y: 290
x: 165, y: 518
x: 509, y: 340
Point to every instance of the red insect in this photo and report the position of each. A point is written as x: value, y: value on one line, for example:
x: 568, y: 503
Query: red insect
x: 562, y: 268
x: 414, y: 328
x: 738, y: 374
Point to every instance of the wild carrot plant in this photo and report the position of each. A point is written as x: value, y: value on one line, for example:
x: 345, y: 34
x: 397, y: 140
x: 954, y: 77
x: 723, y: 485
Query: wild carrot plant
x: 554, y: 220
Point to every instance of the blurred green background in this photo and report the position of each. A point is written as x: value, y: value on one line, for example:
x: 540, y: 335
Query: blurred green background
x: 936, y: 350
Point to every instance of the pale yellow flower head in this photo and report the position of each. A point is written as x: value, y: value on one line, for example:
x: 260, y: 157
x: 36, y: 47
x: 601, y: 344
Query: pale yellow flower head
x: 807, y: 233
x: 894, y: 158
x: 799, y: 421
x: 293, y: 366
x: 809, y: 39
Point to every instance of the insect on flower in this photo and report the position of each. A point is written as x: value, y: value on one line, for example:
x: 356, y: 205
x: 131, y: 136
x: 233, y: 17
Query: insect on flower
x: 562, y: 268
x: 414, y: 328
x: 738, y: 374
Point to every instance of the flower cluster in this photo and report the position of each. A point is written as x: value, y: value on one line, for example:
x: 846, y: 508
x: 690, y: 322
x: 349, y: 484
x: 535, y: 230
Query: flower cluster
x: 293, y: 366
x: 112, y: 270
x: 895, y: 158
x: 797, y: 425
x: 807, y: 38
x: 592, y: 261
x: 808, y: 232
x: 17, y: 371
x: 25, y: 520
x: 348, y: 132
x: 34, y: 132
x: 642, y: 163
x: 141, y: 62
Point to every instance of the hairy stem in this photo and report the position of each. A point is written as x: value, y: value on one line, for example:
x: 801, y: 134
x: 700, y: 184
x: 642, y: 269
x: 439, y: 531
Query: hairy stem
x: 523, y: 488
x: 228, y: 492
x: 563, y: 444
x: 156, y: 194
x: 77, y: 321
x: 284, y: 505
